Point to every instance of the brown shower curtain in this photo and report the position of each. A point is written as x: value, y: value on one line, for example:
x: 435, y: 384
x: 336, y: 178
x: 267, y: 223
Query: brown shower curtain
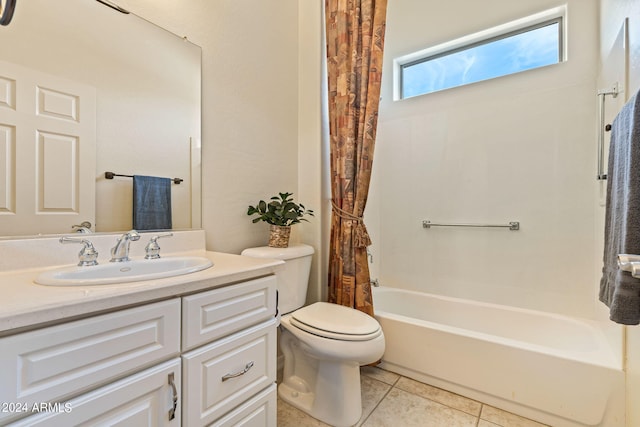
x: 355, y: 39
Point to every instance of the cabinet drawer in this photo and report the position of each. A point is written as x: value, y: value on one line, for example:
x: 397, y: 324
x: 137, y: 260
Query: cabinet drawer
x: 143, y: 399
x: 214, y: 314
x: 54, y: 363
x: 259, y: 411
x: 223, y: 374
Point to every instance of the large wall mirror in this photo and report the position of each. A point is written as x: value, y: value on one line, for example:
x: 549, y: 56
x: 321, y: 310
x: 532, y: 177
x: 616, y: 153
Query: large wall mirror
x: 84, y: 90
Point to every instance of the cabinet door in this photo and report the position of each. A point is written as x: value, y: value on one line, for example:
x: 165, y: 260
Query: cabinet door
x: 224, y: 374
x: 149, y: 398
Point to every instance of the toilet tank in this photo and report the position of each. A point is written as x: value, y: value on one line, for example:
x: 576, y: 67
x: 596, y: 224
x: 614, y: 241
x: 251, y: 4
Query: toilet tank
x: 293, y: 277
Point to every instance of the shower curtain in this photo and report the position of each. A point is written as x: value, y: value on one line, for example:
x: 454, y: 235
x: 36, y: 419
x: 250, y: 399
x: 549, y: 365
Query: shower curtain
x: 355, y: 40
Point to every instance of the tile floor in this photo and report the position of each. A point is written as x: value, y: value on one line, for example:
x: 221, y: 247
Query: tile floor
x: 391, y: 400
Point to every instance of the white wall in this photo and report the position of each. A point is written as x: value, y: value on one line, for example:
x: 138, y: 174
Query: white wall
x: 518, y: 148
x: 249, y: 105
x: 613, y: 68
x: 312, y: 164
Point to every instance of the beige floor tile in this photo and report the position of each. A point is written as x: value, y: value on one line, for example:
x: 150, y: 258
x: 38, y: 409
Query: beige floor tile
x: 289, y: 416
x: 400, y: 408
x: 506, y: 419
x: 441, y: 396
x: 372, y: 393
x: 380, y: 374
x: 410, y: 404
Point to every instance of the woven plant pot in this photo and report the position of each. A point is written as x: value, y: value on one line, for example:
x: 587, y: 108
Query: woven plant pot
x: 279, y: 236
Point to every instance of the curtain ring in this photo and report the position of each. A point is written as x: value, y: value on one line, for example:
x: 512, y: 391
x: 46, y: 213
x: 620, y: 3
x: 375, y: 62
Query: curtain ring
x: 7, y: 11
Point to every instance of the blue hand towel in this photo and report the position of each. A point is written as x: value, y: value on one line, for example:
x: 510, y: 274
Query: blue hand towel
x: 151, y: 203
x: 618, y: 289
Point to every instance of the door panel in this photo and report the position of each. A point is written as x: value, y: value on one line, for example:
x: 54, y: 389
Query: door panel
x: 48, y: 152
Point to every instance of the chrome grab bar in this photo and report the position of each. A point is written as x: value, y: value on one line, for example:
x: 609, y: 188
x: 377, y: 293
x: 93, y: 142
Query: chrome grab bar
x: 513, y: 225
x: 601, y: 175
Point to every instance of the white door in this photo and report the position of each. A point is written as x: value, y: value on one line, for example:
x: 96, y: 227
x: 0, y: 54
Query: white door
x: 47, y: 152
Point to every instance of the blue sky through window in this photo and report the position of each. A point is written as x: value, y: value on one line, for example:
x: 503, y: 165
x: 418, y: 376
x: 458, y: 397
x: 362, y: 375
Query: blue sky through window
x: 519, y: 52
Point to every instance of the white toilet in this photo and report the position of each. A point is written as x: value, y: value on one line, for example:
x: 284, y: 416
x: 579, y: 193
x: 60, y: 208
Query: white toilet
x: 323, y: 344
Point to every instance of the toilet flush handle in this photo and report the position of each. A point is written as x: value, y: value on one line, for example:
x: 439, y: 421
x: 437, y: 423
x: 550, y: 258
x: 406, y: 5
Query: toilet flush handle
x: 237, y: 374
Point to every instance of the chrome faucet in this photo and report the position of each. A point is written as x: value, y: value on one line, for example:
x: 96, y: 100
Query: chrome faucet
x: 120, y: 252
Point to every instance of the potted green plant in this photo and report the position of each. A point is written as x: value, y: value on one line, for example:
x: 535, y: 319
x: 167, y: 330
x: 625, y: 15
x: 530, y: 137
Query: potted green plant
x: 281, y: 213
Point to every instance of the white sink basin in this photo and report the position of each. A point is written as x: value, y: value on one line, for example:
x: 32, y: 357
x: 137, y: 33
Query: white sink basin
x: 121, y: 272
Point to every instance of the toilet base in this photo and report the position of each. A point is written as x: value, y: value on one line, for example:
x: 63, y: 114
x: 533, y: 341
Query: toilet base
x: 336, y: 397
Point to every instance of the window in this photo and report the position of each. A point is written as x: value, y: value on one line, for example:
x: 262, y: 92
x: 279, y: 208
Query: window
x: 511, y: 48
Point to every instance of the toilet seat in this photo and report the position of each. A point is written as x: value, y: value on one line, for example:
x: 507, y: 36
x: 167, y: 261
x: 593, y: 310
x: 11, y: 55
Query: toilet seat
x: 335, y: 322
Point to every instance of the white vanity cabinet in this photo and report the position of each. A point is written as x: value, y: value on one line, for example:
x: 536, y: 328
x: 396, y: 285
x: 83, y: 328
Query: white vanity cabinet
x: 206, y: 358
x: 231, y: 337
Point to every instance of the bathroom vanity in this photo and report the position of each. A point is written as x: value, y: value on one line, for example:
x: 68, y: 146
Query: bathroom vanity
x: 192, y: 350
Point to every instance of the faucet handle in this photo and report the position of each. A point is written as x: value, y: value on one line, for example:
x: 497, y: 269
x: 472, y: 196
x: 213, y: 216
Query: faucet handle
x: 153, y: 249
x: 87, y: 255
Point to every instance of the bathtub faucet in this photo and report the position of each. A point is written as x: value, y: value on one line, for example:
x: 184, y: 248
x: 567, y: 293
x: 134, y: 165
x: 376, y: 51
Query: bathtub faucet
x: 375, y: 283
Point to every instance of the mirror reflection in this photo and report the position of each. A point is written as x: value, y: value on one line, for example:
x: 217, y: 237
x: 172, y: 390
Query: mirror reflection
x: 85, y: 90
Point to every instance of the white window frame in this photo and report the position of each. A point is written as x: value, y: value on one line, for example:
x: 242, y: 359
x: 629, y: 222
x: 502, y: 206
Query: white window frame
x: 497, y: 32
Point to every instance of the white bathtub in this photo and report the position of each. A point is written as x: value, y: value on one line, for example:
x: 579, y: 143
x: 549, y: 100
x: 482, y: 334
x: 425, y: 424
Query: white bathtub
x: 551, y: 368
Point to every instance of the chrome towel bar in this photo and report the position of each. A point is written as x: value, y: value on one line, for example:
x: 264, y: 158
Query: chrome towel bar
x: 513, y: 225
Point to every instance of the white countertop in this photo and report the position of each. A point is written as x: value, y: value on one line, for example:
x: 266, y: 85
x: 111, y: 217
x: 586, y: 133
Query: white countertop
x: 24, y: 304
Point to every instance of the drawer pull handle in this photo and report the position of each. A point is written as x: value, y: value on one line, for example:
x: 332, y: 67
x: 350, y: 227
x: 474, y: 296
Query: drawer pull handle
x: 237, y: 374
x: 174, y: 391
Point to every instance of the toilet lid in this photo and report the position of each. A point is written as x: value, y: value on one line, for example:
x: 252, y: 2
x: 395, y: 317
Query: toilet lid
x: 336, y: 322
